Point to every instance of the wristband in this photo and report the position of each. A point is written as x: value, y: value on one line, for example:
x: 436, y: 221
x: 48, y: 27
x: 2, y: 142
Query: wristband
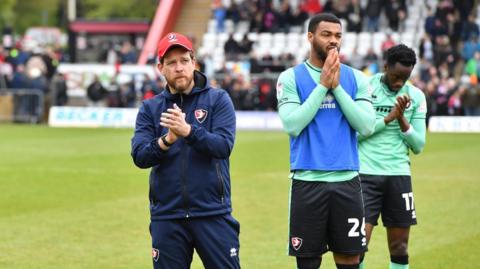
x: 164, y: 140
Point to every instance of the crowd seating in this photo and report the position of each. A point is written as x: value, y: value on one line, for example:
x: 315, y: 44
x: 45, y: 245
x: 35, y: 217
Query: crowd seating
x: 295, y: 41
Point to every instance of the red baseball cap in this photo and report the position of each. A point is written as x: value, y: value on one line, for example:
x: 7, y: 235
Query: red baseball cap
x: 173, y: 39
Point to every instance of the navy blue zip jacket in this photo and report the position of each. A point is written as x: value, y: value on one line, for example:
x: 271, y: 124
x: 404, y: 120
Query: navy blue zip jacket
x: 192, y: 178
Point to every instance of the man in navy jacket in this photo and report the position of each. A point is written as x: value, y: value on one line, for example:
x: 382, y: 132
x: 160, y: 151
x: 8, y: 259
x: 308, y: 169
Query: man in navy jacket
x: 186, y: 135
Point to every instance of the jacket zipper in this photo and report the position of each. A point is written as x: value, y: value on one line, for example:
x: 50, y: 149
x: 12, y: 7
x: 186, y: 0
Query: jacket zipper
x: 184, y: 180
x: 222, y: 184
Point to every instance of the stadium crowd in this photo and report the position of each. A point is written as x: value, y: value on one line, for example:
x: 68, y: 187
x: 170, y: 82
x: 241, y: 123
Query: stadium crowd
x: 448, y: 52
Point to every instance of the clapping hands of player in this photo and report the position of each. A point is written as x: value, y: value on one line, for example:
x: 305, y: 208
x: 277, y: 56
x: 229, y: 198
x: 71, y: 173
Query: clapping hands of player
x: 331, y: 70
x: 398, y: 109
x: 174, y: 120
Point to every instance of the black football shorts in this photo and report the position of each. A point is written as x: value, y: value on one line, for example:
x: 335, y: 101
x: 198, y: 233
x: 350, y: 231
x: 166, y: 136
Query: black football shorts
x: 326, y: 216
x: 390, y: 196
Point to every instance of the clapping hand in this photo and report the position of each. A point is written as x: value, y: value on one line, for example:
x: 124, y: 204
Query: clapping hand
x: 331, y: 70
x: 174, y: 120
x: 398, y: 109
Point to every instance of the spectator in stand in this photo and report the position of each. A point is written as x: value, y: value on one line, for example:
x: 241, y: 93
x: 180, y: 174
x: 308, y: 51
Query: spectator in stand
x: 59, y: 90
x: 269, y: 20
x: 231, y: 48
x: 470, y: 99
x: 28, y: 79
x: 426, y: 48
x: 455, y: 102
x: 396, y: 13
x: 243, y: 96
x: 19, y: 79
x: 429, y: 25
x: 284, y: 14
x: 472, y: 68
x: 245, y: 10
x: 443, y: 50
x: 286, y: 60
x: 3, y: 54
x: 454, y: 29
x: 349, y: 10
x: 338, y: 7
x: 444, y: 7
x: 36, y: 71
x: 227, y: 83
x: 6, y: 73
x: 219, y: 14
x: 470, y: 28
x: 127, y: 53
x: 18, y: 56
x: 256, y: 21
x: 111, y: 55
x: 439, y: 29
x: 128, y: 95
x: 441, y: 97
x: 297, y: 17
x: 424, y: 73
x: 51, y: 62
x: 266, y: 95
x: 464, y: 8
x: 371, y: 62
x: 311, y: 7
x: 373, y: 10
x: 355, y: 17
x: 469, y: 48
x: 387, y: 43
x: 150, y: 87
x: 233, y: 13
x: 96, y: 93
x: 245, y: 45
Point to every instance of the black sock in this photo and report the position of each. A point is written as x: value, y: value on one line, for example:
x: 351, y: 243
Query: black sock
x: 399, y: 259
x: 309, y: 262
x: 347, y: 266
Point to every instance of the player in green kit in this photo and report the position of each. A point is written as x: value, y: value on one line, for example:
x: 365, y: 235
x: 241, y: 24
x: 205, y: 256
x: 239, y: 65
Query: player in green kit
x: 384, y: 155
x: 323, y: 104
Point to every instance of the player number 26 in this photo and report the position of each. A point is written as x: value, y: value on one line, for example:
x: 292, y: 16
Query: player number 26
x: 354, y: 231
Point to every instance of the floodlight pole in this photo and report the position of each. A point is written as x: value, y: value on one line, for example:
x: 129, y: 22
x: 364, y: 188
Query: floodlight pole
x: 72, y: 10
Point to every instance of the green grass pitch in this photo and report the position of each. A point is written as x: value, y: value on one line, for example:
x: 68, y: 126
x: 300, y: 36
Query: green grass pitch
x: 72, y: 198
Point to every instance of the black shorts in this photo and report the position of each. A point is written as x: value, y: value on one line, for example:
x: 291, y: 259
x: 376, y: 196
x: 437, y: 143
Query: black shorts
x: 326, y: 216
x: 391, y: 196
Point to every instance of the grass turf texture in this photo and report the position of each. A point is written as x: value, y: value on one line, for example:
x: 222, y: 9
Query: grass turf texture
x: 71, y: 198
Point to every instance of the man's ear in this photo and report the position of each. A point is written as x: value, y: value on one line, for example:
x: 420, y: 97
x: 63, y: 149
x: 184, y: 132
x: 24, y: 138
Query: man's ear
x: 159, y: 67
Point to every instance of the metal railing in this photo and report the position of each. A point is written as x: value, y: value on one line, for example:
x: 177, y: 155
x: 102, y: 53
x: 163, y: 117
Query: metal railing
x: 21, y: 105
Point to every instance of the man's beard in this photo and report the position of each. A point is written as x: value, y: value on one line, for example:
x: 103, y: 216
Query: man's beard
x: 321, y: 53
x: 179, y: 87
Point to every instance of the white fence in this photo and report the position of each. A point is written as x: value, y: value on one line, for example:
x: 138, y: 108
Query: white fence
x: 125, y: 118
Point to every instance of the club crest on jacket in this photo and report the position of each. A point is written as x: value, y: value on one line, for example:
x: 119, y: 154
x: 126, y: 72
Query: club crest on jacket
x: 201, y: 115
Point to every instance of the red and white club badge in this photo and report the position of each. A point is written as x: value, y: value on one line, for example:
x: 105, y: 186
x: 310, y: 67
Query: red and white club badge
x: 297, y: 242
x: 201, y: 115
x: 172, y: 37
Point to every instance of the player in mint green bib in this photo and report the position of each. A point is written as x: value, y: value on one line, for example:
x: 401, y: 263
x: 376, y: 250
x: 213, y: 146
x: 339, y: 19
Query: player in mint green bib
x: 322, y: 105
x: 384, y: 155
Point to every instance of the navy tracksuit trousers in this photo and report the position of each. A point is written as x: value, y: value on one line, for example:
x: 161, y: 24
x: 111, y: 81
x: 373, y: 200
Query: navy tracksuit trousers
x: 214, y: 238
